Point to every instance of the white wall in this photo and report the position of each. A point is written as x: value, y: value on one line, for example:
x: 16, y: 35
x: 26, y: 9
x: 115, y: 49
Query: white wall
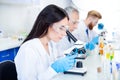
x: 61, y: 3
x: 16, y: 18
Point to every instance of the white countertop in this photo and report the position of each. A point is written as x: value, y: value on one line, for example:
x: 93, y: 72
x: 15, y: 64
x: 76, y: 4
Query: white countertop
x: 91, y: 62
x: 8, y: 43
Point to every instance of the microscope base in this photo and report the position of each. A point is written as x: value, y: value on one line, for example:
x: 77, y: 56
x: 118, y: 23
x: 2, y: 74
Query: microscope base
x: 79, y: 71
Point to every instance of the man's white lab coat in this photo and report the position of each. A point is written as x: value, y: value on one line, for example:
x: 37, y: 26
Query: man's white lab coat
x: 81, y: 34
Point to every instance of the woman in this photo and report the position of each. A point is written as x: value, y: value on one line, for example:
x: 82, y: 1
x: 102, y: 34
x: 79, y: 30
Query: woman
x: 37, y: 56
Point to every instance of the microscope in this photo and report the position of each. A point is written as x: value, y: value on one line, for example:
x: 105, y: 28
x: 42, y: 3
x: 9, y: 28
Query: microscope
x: 79, y: 46
x: 102, y: 31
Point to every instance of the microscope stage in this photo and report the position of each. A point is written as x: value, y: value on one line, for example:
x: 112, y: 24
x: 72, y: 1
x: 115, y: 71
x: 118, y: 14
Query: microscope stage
x: 80, y: 71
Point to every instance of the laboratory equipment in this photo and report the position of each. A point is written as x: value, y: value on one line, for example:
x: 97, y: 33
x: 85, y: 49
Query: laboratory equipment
x: 77, y: 69
x: 102, y: 36
x: 71, y: 36
x: 102, y: 30
x: 109, y: 55
x: 79, y: 46
x: 101, y: 45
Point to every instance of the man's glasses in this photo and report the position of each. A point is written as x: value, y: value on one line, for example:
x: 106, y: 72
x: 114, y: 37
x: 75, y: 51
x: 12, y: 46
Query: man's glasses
x: 74, y: 22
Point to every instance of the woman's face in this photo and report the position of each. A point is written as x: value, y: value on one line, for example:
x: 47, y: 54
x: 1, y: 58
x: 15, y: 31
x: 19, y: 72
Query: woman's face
x: 58, y: 30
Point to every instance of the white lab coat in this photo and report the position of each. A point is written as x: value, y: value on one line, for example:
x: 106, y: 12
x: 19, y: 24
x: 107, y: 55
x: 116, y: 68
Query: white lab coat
x: 33, y: 62
x: 80, y: 32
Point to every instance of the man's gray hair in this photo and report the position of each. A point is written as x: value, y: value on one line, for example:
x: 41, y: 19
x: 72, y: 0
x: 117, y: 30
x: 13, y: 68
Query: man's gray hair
x: 70, y: 9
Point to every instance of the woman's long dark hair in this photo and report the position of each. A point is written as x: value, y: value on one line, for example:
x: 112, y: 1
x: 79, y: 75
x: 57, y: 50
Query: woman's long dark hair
x: 47, y: 17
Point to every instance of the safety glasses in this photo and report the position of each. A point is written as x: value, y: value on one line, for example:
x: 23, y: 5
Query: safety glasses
x: 60, y: 28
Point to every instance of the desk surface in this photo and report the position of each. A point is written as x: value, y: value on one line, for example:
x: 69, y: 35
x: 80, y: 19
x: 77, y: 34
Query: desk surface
x: 91, y: 62
x: 8, y: 43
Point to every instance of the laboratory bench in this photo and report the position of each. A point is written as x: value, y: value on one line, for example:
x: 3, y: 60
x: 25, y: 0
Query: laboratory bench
x: 8, y: 48
x: 92, y: 62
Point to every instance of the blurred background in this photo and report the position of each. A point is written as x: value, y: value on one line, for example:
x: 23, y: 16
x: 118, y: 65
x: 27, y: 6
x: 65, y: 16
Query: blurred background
x: 17, y: 16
